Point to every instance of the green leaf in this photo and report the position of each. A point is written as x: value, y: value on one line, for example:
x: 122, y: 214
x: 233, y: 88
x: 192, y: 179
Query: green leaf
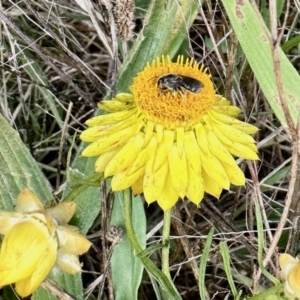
x: 127, y: 268
x: 165, y: 28
x: 166, y: 285
x: 87, y: 198
x: 18, y: 169
x: 203, y: 263
x: 42, y: 294
x: 226, y: 263
x: 260, y: 239
x: 36, y: 73
x: 291, y: 43
x: 72, y: 284
x: 256, y: 42
x: 274, y: 178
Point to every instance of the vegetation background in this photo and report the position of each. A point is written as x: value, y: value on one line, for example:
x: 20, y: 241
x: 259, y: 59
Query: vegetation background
x: 59, y: 58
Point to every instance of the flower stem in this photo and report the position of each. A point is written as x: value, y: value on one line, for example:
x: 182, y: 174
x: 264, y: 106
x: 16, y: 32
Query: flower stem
x: 166, y: 243
x: 128, y: 221
x: 162, y: 278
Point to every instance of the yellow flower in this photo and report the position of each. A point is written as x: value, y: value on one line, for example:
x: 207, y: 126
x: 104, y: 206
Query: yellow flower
x: 290, y: 271
x: 35, y: 240
x: 170, y: 140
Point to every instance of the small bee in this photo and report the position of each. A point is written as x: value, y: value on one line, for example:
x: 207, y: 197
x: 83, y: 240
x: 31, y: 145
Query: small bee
x: 178, y: 83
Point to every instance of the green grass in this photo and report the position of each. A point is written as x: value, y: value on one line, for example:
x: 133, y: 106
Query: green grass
x: 55, y: 71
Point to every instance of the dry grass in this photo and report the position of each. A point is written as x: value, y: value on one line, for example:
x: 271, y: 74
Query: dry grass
x: 76, y: 67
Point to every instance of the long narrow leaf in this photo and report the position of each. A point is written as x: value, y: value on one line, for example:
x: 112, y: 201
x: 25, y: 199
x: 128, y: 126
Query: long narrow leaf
x: 18, y: 169
x: 127, y: 268
x: 256, y: 42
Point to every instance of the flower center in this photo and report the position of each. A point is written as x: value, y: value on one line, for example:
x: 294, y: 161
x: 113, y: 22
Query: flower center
x: 173, y: 94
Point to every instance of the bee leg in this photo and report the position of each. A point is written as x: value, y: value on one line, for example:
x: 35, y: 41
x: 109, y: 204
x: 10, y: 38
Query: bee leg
x: 181, y: 92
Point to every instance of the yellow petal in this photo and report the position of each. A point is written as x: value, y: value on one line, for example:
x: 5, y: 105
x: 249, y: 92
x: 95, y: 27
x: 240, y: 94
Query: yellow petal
x: 149, y: 132
x: 71, y: 241
x: 123, y: 180
x: 223, y: 119
x: 223, y: 107
x: 110, y: 142
x: 104, y: 159
x: 218, y: 149
x: 155, y: 182
x: 245, y: 127
x: 109, y: 118
x: 140, y: 160
x: 160, y: 132
x: 164, y: 148
x: 234, y: 173
x: 195, y: 190
x: 22, y: 249
x: 126, y: 156
x: 192, y: 151
x: 286, y: 260
x: 28, y: 202
x: 240, y: 150
x: 46, y: 262
x: 293, y: 279
x: 93, y: 133
x: 137, y: 187
x: 210, y: 163
x: 62, y: 212
x: 211, y: 186
x: 68, y: 262
x: 233, y: 134
x: 8, y: 219
x: 96, y: 132
x: 113, y: 106
x: 180, y: 140
x: 128, y: 177
x: 220, y: 100
x: 121, y: 97
x: 178, y: 170
x: 169, y: 196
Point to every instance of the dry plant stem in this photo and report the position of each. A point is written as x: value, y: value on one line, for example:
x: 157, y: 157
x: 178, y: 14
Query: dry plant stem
x: 94, y: 20
x: 103, y: 237
x: 231, y: 65
x: 62, y: 141
x: 76, y: 60
x: 254, y: 175
x: 184, y: 241
x: 105, y: 219
x: 295, y: 196
x: 13, y: 49
x: 116, y: 240
x: 48, y: 60
x: 292, y: 199
x: 55, y: 290
x: 253, y: 171
x: 209, y: 208
x: 112, y: 25
x: 278, y: 74
x: 166, y: 243
x: 292, y: 194
x: 4, y: 101
x: 212, y: 36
